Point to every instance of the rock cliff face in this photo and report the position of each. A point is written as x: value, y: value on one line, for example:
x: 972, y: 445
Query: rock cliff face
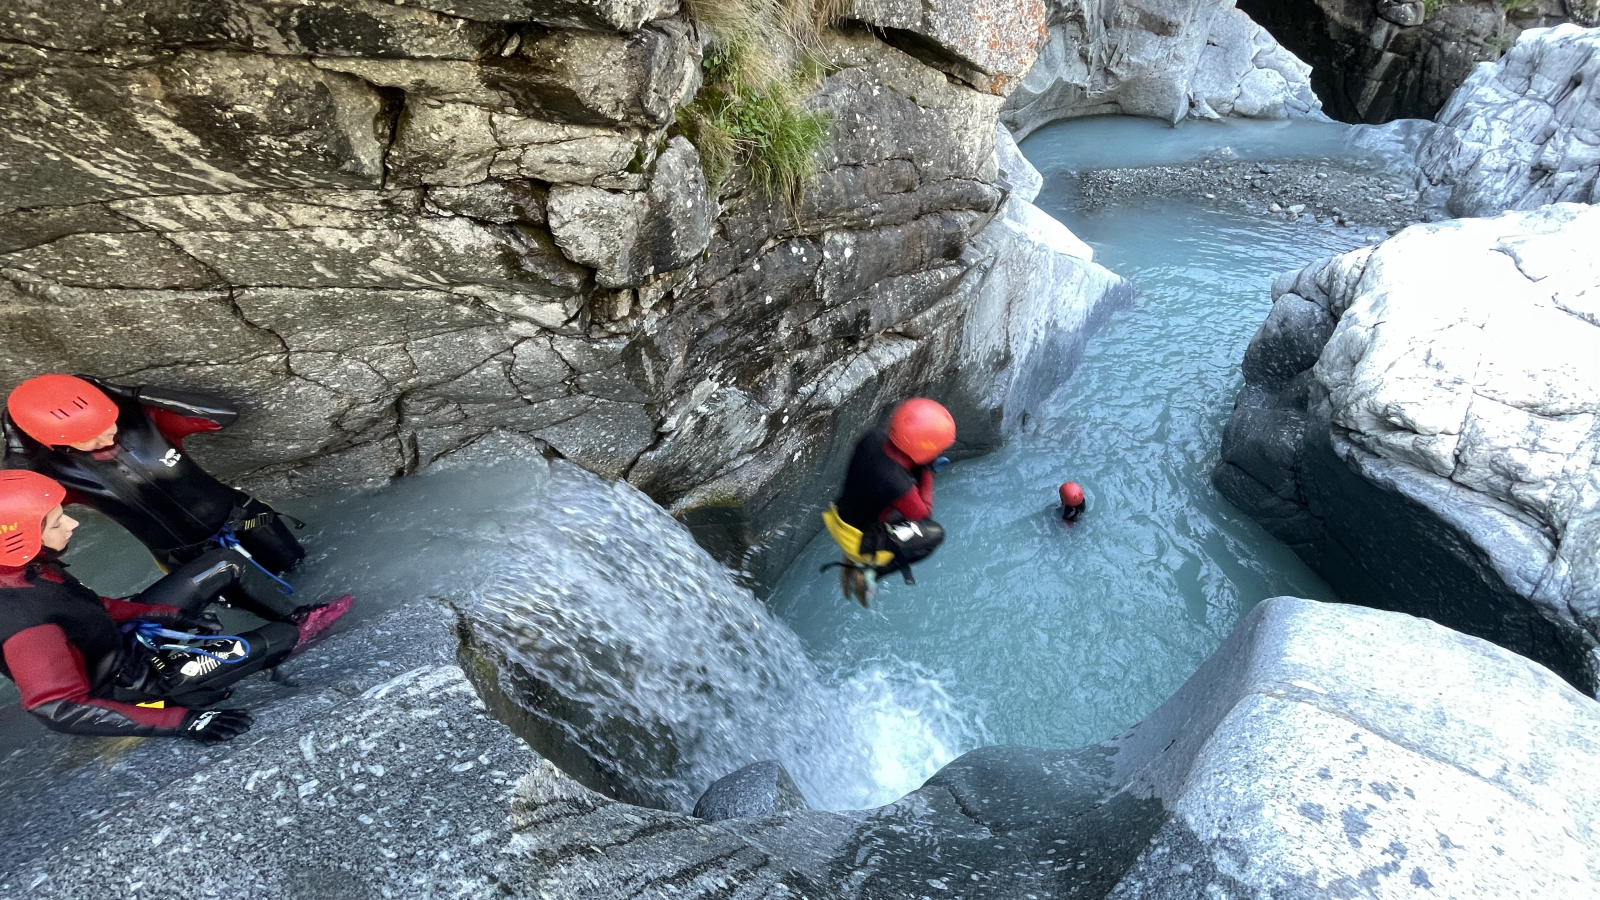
x: 1167, y: 59
x: 1323, y: 751
x: 1419, y: 422
x: 1522, y: 132
x: 1395, y: 59
x: 391, y: 229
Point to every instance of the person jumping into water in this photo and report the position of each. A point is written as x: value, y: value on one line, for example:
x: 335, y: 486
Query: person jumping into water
x: 881, y: 519
x: 120, y: 450
x: 146, y: 665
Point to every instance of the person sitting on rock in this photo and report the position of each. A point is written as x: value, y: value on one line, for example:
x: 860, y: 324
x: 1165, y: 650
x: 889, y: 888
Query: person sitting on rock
x: 92, y: 665
x: 120, y: 450
x: 881, y: 518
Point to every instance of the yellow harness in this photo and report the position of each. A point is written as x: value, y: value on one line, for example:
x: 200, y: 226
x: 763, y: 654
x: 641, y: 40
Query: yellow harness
x: 848, y: 537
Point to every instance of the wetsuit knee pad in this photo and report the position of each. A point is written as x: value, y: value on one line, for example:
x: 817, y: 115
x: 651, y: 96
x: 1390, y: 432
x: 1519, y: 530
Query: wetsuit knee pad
x: 269, y: 645
x: 914, y: 541
x: 191, y: 586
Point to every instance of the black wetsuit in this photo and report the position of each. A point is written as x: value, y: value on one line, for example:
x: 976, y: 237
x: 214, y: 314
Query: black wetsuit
x: 890, y: 504
x: 79, y: 673
x: 155, y: 490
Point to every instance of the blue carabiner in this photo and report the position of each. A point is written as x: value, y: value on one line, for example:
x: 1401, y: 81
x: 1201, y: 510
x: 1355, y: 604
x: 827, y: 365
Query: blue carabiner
x: 146, y: 633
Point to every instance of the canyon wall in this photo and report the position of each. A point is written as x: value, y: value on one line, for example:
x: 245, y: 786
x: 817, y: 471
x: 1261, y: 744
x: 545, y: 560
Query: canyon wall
x: 390, y: 230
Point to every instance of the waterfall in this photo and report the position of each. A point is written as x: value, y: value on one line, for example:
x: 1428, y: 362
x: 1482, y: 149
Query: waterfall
x: 658, y: 667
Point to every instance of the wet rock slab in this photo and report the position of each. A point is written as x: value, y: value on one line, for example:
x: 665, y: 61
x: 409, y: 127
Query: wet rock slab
x: 378, y: 775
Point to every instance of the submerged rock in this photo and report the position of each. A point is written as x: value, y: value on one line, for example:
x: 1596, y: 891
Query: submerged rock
x: 755, y: 791
x: 1168, y: 59
x: 1419, y: 421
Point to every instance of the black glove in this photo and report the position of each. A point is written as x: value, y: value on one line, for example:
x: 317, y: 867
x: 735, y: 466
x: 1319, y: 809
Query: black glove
x: 213, y: 726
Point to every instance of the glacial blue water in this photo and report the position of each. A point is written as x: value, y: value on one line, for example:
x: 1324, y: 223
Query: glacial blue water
x: 1058, y: 636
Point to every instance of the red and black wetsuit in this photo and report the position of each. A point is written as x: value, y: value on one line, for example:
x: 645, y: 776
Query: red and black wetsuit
x: 883, y: 486
x: 881, y: 482
x: 63, y: 647
x: 148, y: 485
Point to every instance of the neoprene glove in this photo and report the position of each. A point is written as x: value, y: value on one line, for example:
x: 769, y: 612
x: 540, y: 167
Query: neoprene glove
x: 213, y: 726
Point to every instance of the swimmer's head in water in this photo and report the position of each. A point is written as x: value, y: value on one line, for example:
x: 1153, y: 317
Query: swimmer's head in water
x: 1071, y: 494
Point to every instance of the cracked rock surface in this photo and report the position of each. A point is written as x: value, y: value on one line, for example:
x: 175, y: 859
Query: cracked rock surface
x: 1525, y: 131
x: 386, y: 230
x: 1419, y: 421
x: 1166, y: 59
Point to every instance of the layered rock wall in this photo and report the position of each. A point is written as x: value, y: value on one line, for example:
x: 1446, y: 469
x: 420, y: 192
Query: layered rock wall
x: 1395, y: 59
x: 1166, y: 59
x: 389, y: 230
x: 1419, y: 422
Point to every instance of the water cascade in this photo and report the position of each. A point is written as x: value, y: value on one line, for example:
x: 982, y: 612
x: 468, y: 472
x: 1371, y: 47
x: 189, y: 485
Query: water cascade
x: 1058, y: 636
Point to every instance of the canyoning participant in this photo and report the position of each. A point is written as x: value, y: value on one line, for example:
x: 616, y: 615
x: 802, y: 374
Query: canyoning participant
x: 120, y: 450
x: 882, y: 516
x: 1072, y: 502
x: 93, y: 665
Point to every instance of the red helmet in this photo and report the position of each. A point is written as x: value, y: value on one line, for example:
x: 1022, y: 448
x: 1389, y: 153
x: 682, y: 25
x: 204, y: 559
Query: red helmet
x: 1071, y: 494
x: 922, y: 429
x: 25, y: 498
x: 60, y: 409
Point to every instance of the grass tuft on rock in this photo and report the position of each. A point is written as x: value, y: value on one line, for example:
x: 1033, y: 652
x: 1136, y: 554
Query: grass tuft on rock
x: 758, y: 64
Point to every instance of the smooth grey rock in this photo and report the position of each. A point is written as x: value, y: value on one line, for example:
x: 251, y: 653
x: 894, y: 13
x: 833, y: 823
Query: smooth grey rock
x: 194, y: 123
x: 1323, y: 750
x: 618, y: 15
x: 282, y: 28
x: 988, y: 45
x: 378, y: 773
x: 1288, y: 342
x: 755, y: 791
x: 1167, y: 59
x: 1522, y: 132
x: 1445, y: 456
x: 502, y: 202
x: 1405, y: 13
x: 627, y: 237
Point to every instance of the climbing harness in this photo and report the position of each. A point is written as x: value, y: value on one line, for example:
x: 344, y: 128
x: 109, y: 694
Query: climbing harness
x: 227, y: 538
x: 160, y: 639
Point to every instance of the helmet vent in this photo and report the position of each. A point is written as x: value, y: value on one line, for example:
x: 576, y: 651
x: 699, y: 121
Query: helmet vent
x: 14, y: 542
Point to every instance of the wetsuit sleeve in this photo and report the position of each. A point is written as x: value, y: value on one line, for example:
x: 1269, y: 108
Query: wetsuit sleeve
x: 50, y: 676
x: 175, y: 427
x: 917, y: 503
x: 178, y: 414
x: 123, y: 610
